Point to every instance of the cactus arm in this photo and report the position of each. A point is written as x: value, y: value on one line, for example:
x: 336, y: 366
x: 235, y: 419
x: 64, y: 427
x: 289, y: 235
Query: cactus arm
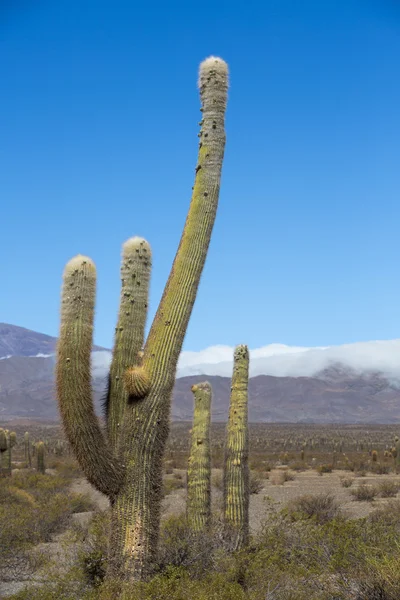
x: 236, y: 469
x: 129, y: 332
x: 198, y: 504
x: 73, y: 378
x: 167, y: 332
x: 136, y: 512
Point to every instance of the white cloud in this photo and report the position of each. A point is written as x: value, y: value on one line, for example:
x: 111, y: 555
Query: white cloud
x: 280, y: 360
x: 294, y: 361
x: 101, y: 361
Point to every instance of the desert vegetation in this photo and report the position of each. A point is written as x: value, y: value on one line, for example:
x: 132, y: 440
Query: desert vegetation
x: 309, y: 533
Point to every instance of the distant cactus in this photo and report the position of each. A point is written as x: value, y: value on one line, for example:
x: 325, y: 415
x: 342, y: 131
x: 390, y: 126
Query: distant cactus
x: 27, y: 450
x: 199, y: 466
x: 236, y: 468
x: 40, y: 458
x: 3, y: 441
x: 126, y: 462
x: 374, y: 455
x: 5, y: 452
x: 397, y: 452
x: 13, y: 439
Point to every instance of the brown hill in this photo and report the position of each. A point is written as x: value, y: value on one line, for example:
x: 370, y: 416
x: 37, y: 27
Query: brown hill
x: 336, y: 395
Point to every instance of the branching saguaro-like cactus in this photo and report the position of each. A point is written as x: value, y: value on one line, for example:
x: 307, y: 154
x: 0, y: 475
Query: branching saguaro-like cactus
x: 40, y: 461
x: 125, y: 462
x: 198, y: 505
x: 236, y: 468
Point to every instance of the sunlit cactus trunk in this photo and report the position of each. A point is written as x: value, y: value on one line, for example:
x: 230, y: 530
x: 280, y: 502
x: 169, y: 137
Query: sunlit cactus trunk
x: 40, y: 459
x: 198, y: 504
x: 236, y: 468
x: 125, y: 462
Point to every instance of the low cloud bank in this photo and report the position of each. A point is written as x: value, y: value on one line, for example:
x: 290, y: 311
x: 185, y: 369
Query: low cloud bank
x: 284, y: 361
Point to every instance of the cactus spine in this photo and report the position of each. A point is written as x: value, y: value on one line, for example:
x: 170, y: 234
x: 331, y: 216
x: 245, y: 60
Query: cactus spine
x: 199, y: 468
x: 126, y: 461
x: 236, y: 467
x: 40, y: 458
x: 27, y: 450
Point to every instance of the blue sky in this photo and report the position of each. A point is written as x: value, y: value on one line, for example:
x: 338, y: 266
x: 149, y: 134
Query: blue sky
x: 99, y: 119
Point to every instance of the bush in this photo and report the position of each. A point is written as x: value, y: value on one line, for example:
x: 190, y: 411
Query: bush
x: 364, y: 493
x: 321, y: 508
x: 321, y: 469
x: 256, y: 483
x: 388, y: 488
x: 387, y: 514
x: 346, y: 482
x: 280, y: 476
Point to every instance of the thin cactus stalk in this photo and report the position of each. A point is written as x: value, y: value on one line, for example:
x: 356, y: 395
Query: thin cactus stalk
x: 397, y: 446
x: 27, y: 450
x: 199, y: 467
x: 125, y: 461
x: 236, y: 468
x: 40, y: 464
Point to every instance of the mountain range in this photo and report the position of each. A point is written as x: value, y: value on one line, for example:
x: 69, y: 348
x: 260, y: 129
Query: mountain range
x: 356, y: 383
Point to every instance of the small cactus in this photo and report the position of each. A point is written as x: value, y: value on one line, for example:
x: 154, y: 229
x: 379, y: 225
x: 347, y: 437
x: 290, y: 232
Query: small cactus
x: 199, y: 468
x: 40, y: 458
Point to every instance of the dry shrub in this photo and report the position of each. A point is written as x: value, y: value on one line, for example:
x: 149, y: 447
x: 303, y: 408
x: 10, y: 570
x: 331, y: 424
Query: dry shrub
x: 321, y: 469
x: 388, y: 488
x: 346, y: 482
x: 280, y: 476
x: 364, y: 493
x: 256, y: 483
x: 387, y: 514
x: 321, y: 508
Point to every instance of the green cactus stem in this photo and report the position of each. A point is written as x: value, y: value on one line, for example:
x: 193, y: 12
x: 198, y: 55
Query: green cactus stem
x: 3, y: 441
x: 199, y: 467
x: 236, y: 467
x: 27, y: 450
x: 40, y: 464
x: 125, y: 462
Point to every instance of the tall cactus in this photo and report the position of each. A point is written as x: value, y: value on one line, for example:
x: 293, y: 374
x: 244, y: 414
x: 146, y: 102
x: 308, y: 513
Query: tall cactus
x: 41, y: 468
x: 236, y: 467
x: 199, y: 468
x: 125, y: 462
x: 27, y: 450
